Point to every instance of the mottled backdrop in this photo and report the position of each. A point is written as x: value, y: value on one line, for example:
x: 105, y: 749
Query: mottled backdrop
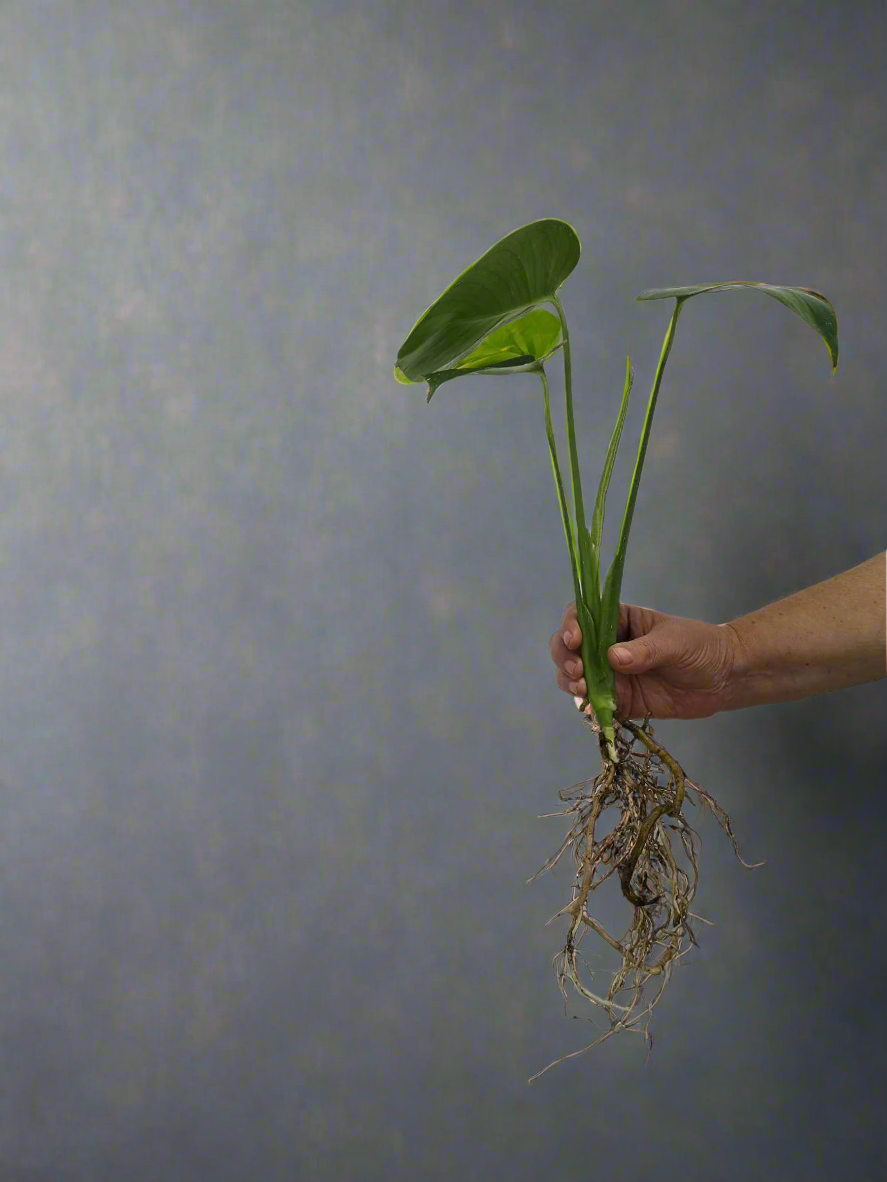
x: 278, y: 710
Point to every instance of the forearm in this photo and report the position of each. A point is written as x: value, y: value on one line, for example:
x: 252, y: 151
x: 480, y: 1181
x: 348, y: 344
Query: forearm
x: 827, y: 637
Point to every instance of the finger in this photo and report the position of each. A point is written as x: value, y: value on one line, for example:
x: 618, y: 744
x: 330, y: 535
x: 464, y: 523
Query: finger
x: 568, y: 660
x: 560, y: 650
x: 557, y: 648
x: 571, y: 633
x: 568, y: 619
x: 570, y: 685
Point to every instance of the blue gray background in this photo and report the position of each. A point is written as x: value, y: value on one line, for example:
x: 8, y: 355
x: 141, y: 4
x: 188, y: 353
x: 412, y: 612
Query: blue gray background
x: 278, y: 711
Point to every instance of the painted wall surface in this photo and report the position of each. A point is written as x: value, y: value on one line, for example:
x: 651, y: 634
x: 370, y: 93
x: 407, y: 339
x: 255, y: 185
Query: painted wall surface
x: 278, y: 714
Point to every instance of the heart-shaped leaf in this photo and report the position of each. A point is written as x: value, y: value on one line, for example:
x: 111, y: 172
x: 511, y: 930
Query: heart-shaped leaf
x: 522, y: 270
x: 513, y: 348
x: 810, y: 305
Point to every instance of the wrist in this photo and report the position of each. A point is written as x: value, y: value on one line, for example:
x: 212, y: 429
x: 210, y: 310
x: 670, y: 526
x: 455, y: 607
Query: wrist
x: 736, y: 692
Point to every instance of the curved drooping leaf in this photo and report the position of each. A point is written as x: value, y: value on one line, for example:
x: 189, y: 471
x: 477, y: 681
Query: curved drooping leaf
x: 812, y: 306
x: 514, y: 347
x: 522, y: 270
x: 537, y: 334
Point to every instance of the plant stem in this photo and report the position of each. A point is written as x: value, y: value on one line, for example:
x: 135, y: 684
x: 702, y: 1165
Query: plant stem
x: 613, y: 583
x: 597, y: 516
x: 559, y: 485
x: 591, y: 594
x: 600, y: 680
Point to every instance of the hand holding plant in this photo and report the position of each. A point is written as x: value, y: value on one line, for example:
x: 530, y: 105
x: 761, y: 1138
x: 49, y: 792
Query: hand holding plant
x: 489, y: 321
x: 680, y: 668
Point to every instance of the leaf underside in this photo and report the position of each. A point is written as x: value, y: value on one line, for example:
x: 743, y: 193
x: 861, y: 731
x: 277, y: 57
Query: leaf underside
x: 514, y: 347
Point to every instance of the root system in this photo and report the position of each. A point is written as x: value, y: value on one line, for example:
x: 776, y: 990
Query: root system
x: 639, y: 850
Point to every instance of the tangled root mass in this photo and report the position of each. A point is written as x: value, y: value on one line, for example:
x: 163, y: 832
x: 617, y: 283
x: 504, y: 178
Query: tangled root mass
x: 639, y: 850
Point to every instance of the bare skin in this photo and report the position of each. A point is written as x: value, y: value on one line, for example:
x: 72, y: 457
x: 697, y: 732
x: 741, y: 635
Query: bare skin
x: 826, y: 637
x: 686, y: 674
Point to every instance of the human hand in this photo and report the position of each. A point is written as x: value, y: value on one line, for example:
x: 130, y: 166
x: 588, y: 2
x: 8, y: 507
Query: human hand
x: 680, y: 668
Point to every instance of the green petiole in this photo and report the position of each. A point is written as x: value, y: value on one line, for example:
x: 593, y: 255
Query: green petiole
x: 597, y: 613
x: 559, y: 486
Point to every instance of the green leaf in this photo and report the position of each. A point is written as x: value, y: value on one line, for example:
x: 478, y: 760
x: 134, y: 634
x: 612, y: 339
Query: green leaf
x: 522, y: 270
x: 444, y: 375
x: 521, y: 364
x: 515, y: 347
x: 536, y: 334
x: 812, y: 306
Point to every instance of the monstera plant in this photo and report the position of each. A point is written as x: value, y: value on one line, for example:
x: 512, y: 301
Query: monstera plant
x: 491, y: 321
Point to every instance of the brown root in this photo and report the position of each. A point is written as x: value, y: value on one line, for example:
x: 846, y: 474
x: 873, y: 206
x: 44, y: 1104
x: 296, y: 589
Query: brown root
x: 639, y: 850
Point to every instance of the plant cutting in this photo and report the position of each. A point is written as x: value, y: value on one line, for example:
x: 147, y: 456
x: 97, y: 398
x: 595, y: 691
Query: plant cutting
x: 491, y: 321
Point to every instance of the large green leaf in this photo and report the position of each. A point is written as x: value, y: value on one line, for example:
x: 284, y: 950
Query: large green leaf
x: 523, y: 269
x: 810, y: 305
x: 514, y: 347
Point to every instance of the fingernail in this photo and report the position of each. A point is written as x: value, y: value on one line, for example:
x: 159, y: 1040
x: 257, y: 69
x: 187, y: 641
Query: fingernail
x: 622, y: 656
x: 573, y: 668
x: 568, y: 639
x: 574, y: 687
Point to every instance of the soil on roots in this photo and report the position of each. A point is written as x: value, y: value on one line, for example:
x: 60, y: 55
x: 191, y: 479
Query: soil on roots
x: 650, y: 789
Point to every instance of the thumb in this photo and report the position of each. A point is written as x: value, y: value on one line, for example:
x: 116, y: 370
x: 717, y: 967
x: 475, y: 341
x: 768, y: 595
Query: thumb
x: 635, y: 656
